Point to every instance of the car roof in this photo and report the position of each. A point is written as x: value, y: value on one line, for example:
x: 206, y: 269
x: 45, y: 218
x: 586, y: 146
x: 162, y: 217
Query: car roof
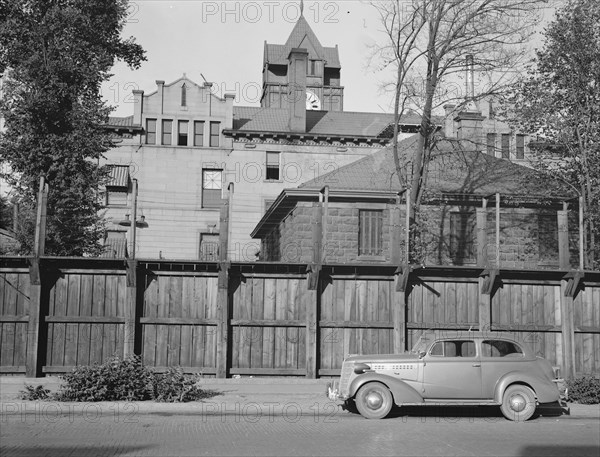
x: 487, y: 334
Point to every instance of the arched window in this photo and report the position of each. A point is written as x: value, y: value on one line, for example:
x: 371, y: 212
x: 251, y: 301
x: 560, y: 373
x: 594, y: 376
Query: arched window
x: 183, y: 95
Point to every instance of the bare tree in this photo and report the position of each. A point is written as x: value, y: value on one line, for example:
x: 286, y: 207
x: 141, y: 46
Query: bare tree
x: 426, y: 43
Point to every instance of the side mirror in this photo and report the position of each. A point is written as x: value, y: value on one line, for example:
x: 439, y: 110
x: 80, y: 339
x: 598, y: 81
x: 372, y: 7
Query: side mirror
x: 422, y: 354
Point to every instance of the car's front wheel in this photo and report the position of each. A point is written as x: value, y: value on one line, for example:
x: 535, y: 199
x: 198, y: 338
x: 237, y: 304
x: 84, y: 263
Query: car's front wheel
x: 374, y: 400
x: 518, y: 403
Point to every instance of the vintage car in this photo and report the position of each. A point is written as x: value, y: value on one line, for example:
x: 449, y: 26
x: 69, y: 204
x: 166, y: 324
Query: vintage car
x: 450, y: 368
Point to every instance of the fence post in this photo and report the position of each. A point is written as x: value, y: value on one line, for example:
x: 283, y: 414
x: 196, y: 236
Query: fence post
x: 485, y: 302
x: 33, y: 365
x: 312, y: 322
x: 223, y: 317
x: 130, y: 309
x: 399, y: 318
x: 567, y: 326
x: 482, y: 255
x: 33, y: 368
x: 563, y: 239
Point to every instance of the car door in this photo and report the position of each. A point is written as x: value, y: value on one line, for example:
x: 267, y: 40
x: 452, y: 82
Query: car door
x: 499, y: 357
x: 452, y: 370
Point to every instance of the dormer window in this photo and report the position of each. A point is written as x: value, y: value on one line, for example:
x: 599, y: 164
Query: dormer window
x: 183, y: 95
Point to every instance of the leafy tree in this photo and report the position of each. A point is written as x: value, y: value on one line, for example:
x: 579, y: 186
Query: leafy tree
x: 55, y: 54
x: 426, y: 44
x: 559, y: 101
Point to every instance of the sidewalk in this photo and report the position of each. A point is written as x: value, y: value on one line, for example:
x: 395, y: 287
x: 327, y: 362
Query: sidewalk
x: 233, y: 396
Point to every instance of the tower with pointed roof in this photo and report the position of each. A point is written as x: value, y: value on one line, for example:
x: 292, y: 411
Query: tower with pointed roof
x: 323, y: 88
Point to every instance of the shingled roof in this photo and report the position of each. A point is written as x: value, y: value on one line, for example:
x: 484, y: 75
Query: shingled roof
x: 338, y: 123
x: 455, y: 168
x: 302, y: 36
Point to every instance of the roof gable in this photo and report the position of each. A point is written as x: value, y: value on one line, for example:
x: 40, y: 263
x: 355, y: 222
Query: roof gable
x: 455, y: 168
x: 302, y: 36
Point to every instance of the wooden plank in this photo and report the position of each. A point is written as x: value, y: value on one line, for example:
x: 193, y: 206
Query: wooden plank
x: 269, y: 333
x: 356, y: 324
x: 363, y: 314
x: 72, y: 337
x: 280, y: 313
x: 20, y: 318
x: 198, y: 347
x: 7, y: 369
x: 86, y: 319
x: 450, y: 304
x: 462, y: 302
x: 243, y: 309
x: 177, y: 321
x: 149, y: 344
x: 10, y: 293
x: 8, y: 344
x: 257, y: 312
x: 173, y: 354
x: 22, y: 294
x: 161, y: 352
x: 268, y: 371
x: 97, y: 296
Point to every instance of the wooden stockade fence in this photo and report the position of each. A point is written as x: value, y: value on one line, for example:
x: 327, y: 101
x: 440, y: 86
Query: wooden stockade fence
x: 268, y: 319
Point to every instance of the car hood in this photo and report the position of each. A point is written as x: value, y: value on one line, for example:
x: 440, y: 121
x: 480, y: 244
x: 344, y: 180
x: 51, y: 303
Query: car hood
x: 382, y: 358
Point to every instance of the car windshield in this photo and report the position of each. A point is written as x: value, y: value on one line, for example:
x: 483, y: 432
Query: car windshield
x: 422, y: 344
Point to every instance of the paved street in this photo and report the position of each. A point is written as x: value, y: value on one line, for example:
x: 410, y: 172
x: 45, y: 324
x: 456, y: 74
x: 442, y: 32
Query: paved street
x: 275, y: 423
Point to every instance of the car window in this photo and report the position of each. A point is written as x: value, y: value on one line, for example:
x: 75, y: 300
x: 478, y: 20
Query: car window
x: 500, y: 348
x: 454, y: 348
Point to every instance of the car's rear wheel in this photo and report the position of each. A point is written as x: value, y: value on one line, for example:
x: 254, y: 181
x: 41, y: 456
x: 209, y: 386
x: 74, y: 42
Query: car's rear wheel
x: 374, y: 400
x: 518, y: 403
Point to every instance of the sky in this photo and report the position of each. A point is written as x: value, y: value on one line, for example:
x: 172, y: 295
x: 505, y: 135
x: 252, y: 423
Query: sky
x: 223, y: 42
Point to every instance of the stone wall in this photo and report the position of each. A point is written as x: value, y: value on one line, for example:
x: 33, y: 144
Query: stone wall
x: 522, y: 231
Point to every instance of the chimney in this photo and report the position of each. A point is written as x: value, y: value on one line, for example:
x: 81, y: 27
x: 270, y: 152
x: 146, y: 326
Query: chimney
x: 449, y: 129
x: 160, y: 89
x: 468, y: 121
x: 296, y: 96
x: 138, y: 106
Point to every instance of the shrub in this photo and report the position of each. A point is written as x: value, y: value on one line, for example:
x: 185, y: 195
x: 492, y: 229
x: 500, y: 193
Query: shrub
x: 128, y: 380
x: 116, y: 379
x: 175, y: 386
x: 585, y: 390
x: 35, y: 393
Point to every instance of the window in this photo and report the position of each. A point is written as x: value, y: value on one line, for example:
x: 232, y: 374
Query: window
x: 499, y: 348
x: 167, y: 127
x: 150, y: 131
x: 505, y: 146
x: 198, y: 133
x: 462, y: 237
x: 182, y: 137
x: 459, y: 348
x: 272, y: 166
x: 117, y: 185
x: 215, y: 130
x: 491, y: 144
x: 212, y: 184
x: 183, y: 95
x: 548, y: 237
x: 312, y: 67
x: 116, y: 196
x: 520, y: 146
x: 369, y: 233
x: 209, y: 247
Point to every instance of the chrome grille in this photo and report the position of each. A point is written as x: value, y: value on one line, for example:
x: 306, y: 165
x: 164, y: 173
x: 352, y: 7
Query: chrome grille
x: 345, y: 376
